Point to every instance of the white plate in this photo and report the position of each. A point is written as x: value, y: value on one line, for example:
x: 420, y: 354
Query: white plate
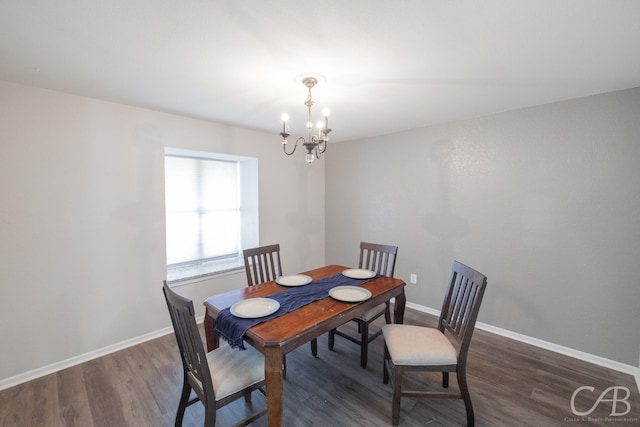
x: 293, y: 280
x: 253, y: 308
x: 350, y: 293
x: 359, y: 273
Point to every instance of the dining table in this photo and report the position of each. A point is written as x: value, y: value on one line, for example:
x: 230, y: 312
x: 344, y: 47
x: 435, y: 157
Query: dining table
x: 277, y: 336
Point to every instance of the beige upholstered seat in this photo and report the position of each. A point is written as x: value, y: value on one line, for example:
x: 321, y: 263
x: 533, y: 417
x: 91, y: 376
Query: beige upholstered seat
x: 374, y: 313
x: 416, y: 345
x: 442, y: 349
x: 382, y: 260
x: 216, y: 378
x: 235, y: 369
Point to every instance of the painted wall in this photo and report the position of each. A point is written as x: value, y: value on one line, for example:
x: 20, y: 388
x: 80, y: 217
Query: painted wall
x: 545, y: 201
x: 82, y: 254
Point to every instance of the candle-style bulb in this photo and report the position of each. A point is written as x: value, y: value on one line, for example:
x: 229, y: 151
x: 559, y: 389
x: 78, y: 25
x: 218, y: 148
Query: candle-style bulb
x: 325, y: 113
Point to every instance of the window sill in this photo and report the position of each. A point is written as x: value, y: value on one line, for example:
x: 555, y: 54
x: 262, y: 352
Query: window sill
x: 177, y: 275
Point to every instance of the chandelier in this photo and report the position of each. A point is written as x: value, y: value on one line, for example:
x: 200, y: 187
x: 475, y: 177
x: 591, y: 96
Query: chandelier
x: 315, y: 144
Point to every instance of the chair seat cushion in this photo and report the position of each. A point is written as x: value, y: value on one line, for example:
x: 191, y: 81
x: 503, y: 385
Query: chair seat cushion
x: 232, y: 370
x: 372, y: 313
x: 418, y: 346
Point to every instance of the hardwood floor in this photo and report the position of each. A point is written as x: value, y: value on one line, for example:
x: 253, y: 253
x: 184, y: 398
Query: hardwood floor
x: 512, y: 384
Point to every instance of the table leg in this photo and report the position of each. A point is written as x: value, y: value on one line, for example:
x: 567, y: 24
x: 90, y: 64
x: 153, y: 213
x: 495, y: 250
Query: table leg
x: 213, y: 341
x: 273, y: 380
x: 398, y: 309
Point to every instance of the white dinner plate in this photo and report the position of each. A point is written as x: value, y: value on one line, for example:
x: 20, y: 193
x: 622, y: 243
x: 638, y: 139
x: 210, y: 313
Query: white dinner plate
x: 293, y: 280
x: 359, y: 273
x: 350, y: 293
x: 253, y: 308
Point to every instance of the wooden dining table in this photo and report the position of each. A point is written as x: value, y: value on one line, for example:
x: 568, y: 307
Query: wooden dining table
x: 276, y: 337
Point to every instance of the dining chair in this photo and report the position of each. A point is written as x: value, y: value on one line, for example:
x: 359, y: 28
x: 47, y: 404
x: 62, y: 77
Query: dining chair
x: 442, y: 349
x: 262, y: 264
x: 216, y: 378
x: 382, y: 260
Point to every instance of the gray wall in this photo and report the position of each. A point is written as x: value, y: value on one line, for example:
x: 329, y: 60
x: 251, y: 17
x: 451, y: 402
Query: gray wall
x: 545, y: 201
x: 82, y: 257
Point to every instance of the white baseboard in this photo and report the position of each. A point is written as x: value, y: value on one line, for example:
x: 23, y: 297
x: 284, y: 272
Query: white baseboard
x: 76, y: 360
x: 597, y: 360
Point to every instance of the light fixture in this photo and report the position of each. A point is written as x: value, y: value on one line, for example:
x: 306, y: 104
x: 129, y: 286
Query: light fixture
x: 315, y: 145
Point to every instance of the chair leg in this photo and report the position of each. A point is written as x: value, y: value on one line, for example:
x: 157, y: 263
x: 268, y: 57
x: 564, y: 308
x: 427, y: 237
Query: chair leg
x: 184, y: 400
x: 210, y: 416
x: 364, y: 343
x: 445, y: 379
x: 332, y: 339
x: 387, y: 314
x: 398, y: 372
x: 464, y: 391
x: 314, y: 347
x: 385, y: 359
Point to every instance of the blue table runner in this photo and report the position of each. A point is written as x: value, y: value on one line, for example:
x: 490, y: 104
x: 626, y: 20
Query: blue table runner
x: 233, y: 328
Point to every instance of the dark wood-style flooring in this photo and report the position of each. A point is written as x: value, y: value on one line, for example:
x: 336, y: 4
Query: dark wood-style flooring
x: 512, y: 384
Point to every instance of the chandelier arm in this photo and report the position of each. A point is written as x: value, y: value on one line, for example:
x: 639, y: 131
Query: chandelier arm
x: 322, y: 147
x: 284, y: 146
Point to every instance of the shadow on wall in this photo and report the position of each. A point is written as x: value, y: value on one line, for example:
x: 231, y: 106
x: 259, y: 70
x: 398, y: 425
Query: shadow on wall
x: 446, y: 227
x: 302, y: 221
x: 442, y: 223
x: 511, y: 311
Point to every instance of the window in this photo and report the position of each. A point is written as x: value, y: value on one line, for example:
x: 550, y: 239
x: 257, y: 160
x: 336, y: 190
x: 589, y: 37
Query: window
x: 211, y: 209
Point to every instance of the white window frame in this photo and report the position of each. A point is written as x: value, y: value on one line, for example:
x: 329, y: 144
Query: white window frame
x: 249, y: 219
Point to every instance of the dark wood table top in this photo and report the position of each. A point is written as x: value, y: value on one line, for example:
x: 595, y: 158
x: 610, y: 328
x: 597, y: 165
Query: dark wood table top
x: 310, y: 321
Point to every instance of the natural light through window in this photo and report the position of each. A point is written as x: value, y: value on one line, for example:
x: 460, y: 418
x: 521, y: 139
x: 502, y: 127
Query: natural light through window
x: 211, y: 212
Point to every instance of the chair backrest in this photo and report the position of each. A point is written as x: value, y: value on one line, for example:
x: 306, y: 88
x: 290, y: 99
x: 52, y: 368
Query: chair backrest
x: 262, y: 264
x: 461, y: 305
x: 194, y: 357
x: 378, y: 258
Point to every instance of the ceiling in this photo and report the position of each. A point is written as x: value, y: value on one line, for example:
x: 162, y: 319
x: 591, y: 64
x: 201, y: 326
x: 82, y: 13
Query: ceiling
x: 385, y: 65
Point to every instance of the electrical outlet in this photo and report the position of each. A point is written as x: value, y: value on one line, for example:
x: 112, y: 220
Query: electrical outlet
x: 413, y: 279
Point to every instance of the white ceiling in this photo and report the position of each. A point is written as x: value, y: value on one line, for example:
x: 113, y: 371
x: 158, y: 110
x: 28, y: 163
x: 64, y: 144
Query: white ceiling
x: 387, y: 65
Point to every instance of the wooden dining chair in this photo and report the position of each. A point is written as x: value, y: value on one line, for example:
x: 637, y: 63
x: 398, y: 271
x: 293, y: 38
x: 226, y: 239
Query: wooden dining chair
x: 382, y: 260
x: 417, y: 348
x: 262, y: 264
x: 216, y: 378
